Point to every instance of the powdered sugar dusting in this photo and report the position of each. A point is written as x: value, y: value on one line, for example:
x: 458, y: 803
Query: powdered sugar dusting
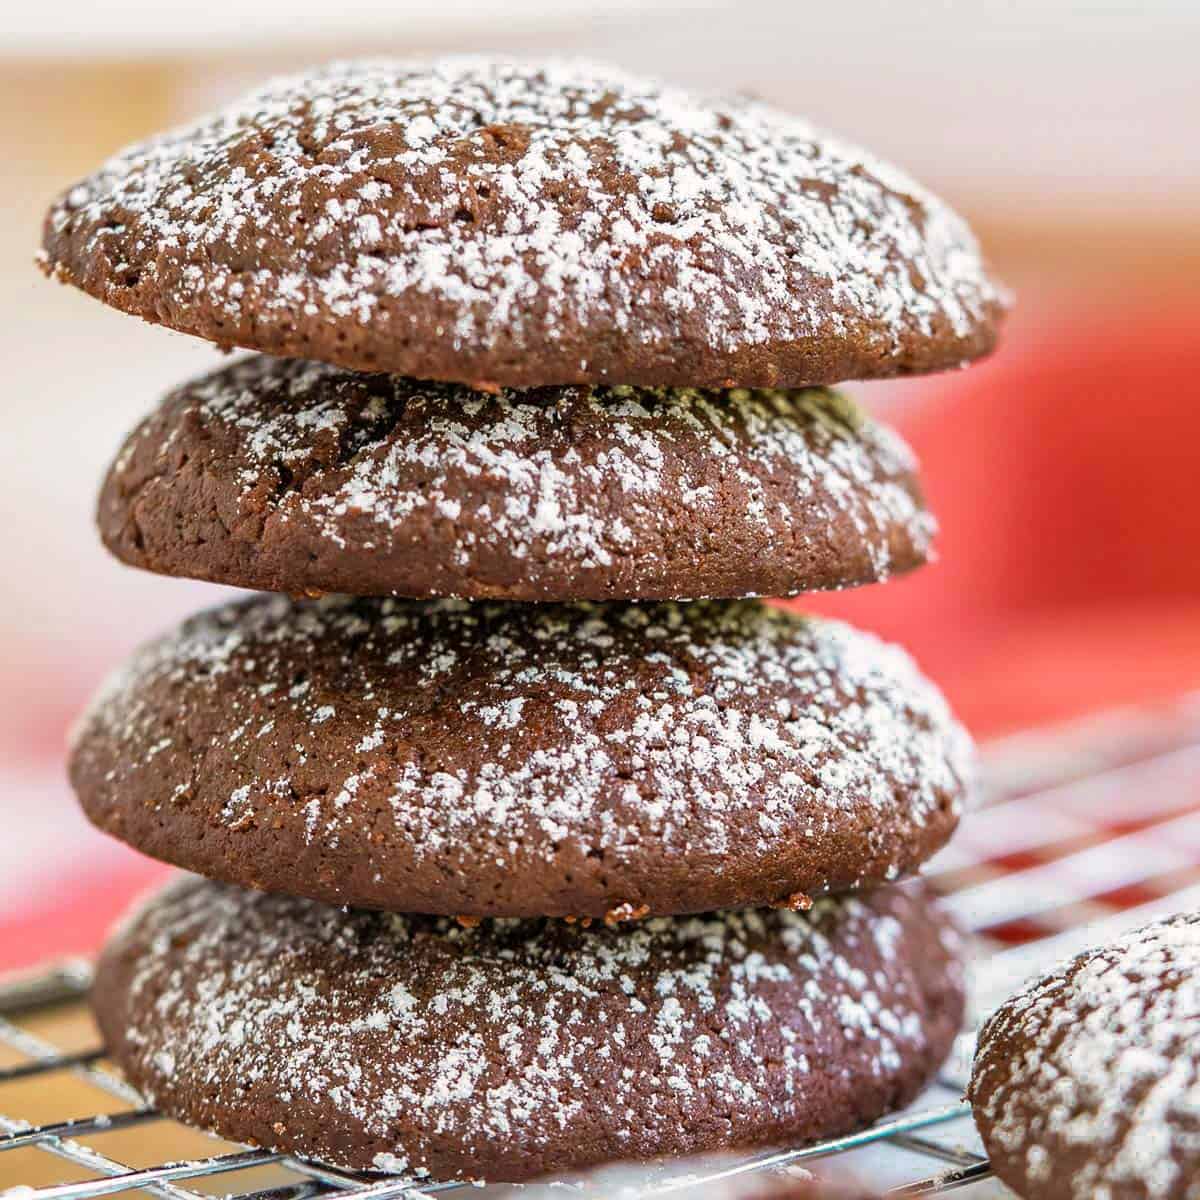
x: 407, y: 1034
x: 1099, y: 1060
x: 529, y: 201
x: 567, y: 481
x: 705, y: 729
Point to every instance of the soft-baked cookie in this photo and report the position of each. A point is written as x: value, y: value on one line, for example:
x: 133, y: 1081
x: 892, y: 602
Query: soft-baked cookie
x: 527, y: 224
x: 496, y: 759
x: 1087, y: 1083
x: 516, y: 1048
x: 297, y: 477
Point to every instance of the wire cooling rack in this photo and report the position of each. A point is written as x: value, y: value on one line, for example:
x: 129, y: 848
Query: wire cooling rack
x: 1083, y: 832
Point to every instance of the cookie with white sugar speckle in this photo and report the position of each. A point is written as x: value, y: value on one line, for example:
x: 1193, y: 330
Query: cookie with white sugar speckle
x: 527, y: 224
x: 290, y: 476
x: 497, y: 759
x: 517, y: 1048
x: 1087, y: 1083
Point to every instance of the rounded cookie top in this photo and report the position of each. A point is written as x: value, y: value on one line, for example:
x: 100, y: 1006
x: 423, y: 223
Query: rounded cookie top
x: 518, y: 1048
x: 519, y: 760
x: 1087, y: 1083
x: 526, y: 224
x: 290, y: 476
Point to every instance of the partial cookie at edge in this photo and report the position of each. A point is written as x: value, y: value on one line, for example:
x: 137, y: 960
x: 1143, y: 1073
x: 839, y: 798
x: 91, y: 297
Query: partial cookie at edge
x: 1087, y: 1082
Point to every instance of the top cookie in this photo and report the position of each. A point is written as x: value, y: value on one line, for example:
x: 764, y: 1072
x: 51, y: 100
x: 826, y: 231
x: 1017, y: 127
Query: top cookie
x: 523, y: 224
x: 1087, y: 1083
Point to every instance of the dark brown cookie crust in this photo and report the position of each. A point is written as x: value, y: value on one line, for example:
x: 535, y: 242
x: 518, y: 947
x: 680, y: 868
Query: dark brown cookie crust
x: 296, y: 477
x: 524, y: 760
x: 514, y: 1049
x: 528, y: 224
x: 1085, y: 1084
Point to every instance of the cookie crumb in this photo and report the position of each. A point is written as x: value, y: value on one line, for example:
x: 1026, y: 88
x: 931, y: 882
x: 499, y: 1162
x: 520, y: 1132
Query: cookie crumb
x: 625, y: 912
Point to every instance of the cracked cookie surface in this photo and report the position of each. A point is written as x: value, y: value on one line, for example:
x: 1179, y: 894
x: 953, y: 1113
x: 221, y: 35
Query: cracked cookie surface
x: 517, y: 1048
x: 523, y: 760
x: 289, y: 476
x: 526, y: 223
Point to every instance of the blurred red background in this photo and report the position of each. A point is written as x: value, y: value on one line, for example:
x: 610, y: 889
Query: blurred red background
x: 1065, y: 474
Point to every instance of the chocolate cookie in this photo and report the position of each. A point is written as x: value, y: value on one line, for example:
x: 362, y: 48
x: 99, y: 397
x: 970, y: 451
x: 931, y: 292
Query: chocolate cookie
x: 297, y: 477
x: 515, y: 760
x: 1087, y: 1083
x: 524, y: 224
x: 516, y: 1048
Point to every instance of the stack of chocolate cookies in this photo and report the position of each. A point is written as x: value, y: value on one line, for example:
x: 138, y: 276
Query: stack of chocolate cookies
x: 530, y: 841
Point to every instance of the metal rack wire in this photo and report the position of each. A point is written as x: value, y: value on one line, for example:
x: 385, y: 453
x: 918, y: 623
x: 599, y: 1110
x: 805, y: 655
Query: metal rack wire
x: 1032, y: 890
